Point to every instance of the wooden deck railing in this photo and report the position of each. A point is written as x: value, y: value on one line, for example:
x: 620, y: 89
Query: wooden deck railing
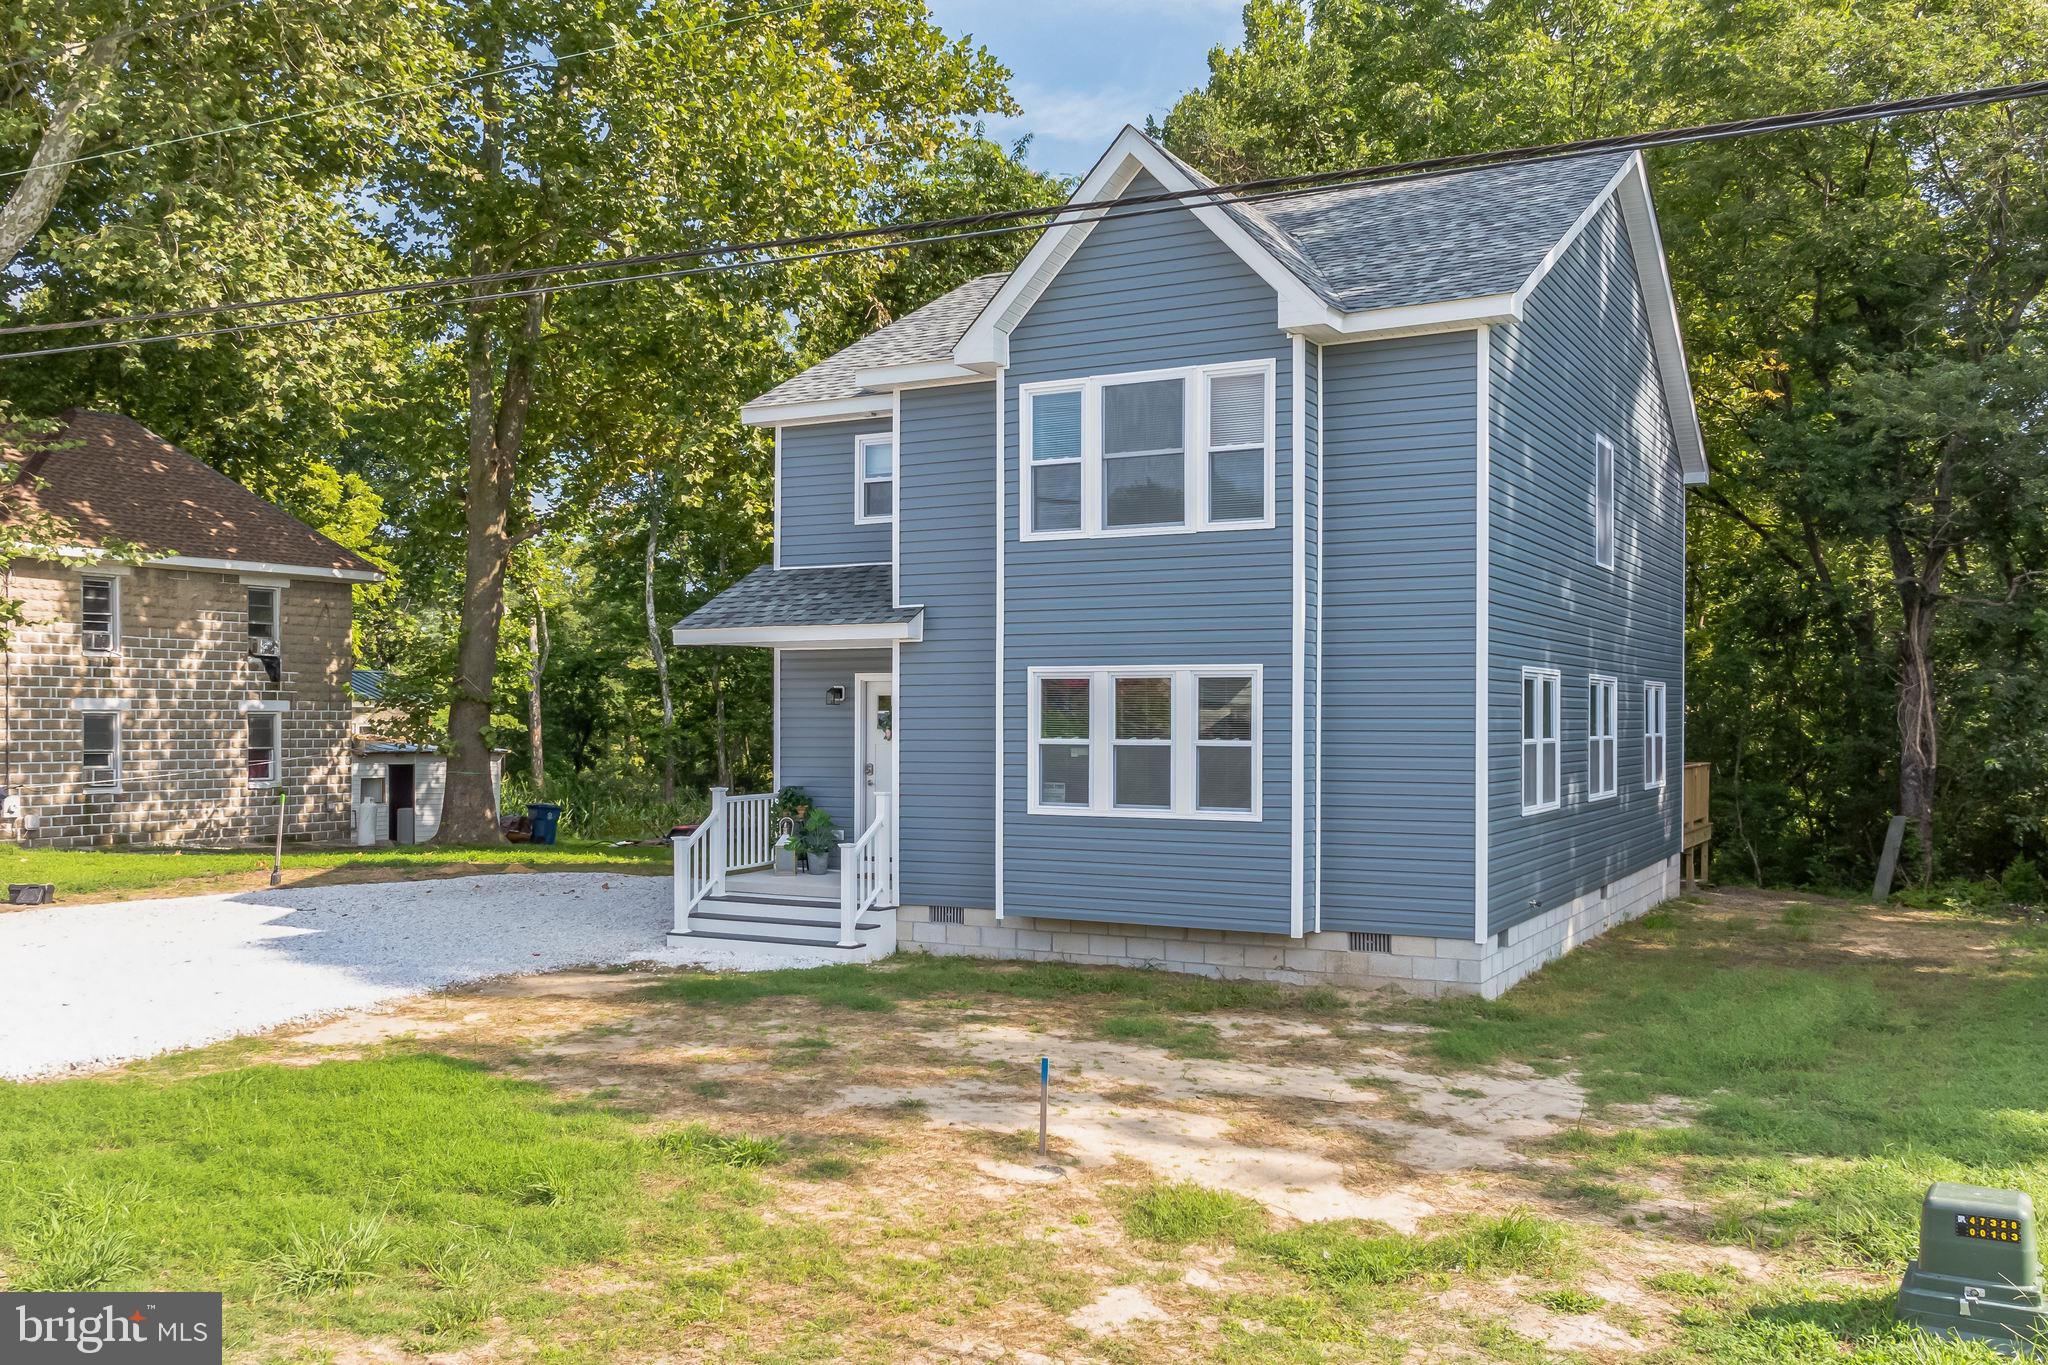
x: 1698, y: 826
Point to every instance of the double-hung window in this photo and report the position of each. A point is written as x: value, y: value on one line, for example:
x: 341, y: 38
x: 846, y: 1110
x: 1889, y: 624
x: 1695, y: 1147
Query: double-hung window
x: 1601, y: 750
x: 1179, y: 742
x: 1603, y: 502
x: 99, y: 617
x: 1653, y: 735
x: 262, y: 762
x: 874, y: 460
x: 1053, y: 420
x: 1147, y: 453
x: 99, y: 743
x: 1540, y: 753
x: 1063, y: 716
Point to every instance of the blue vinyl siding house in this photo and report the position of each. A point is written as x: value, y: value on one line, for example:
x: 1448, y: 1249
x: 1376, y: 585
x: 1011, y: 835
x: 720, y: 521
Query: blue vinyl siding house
x: 1289, y: 589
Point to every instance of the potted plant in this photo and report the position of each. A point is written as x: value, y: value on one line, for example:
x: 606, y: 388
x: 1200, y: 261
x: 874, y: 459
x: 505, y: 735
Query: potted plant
x: 817, y: 842
x: 786, y: 817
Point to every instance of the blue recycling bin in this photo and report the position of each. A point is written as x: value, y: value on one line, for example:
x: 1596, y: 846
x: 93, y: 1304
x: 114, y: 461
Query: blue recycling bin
x: 543, y: 817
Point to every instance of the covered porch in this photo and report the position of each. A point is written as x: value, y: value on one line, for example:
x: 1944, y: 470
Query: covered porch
x: 834, y: 631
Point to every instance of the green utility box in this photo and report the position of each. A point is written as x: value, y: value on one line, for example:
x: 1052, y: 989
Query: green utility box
x: 1979, y: 1271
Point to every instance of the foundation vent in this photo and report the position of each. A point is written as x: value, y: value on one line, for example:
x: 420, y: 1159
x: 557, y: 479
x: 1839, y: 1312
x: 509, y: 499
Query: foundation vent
x: 1372, y: 943
x: 949, y: 914
x: 1500, y: 940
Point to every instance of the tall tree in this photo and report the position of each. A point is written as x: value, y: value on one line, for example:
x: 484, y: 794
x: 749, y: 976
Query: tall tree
x: 1864, y: 313
x: 712, y: 123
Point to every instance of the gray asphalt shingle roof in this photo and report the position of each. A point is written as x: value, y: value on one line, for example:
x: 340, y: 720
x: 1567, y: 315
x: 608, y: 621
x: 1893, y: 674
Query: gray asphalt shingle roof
x: 849, y: 595
x: 1385, y: 244
x: 926, y: 334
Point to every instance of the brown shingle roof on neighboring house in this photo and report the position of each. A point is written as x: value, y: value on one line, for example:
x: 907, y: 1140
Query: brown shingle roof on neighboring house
x: 114, y: 479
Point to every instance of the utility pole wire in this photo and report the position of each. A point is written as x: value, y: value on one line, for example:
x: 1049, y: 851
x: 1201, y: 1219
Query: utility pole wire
x: 383, y: 95
x: 1260, y: 191
x: 1243, y: 191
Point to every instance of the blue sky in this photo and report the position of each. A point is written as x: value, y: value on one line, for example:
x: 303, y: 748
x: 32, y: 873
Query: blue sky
x: 1084, y: 68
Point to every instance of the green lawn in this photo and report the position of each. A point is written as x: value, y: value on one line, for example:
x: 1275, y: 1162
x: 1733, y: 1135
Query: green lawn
x: 125, y: 872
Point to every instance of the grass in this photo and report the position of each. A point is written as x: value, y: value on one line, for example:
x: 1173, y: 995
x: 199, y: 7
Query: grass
x: 1183, y: 1213
x: 121, y: 873
x: 1346, y: 1254
x: 1831, y: 1088
x: 303, y: 1181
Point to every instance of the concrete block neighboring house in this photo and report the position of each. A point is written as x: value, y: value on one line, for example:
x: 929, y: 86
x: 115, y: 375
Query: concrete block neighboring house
x: 172, y: 700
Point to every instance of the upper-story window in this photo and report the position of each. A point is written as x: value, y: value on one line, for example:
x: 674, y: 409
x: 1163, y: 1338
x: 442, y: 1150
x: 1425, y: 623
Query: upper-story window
x: 1139, y: 454
x: 99, y: 618
x: 1603, y: 502
x: 874, y: 461
x: 262, y: 615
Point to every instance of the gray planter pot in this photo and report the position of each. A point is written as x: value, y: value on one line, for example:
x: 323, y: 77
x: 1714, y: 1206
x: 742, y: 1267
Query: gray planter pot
x: 818, y: 864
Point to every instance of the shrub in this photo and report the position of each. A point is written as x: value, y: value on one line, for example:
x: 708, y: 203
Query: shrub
x: 2023, y: 884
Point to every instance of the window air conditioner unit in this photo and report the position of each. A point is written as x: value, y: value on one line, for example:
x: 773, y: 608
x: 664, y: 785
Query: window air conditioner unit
x: 263, y: 647
x: 99, y: 642
x: 99, y: 776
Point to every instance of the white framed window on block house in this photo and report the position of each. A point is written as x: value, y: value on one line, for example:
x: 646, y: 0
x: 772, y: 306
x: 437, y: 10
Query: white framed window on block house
x: 1541, y: 754
x: 99, y: 615
x: 874, y: 471
x: 265, y: 729
x: 263, y: 614
x: 99, y: 747
x: 1176, y: 742
x: 1148, y: 453
x: 1654, y: 754
x: 1602, y: 747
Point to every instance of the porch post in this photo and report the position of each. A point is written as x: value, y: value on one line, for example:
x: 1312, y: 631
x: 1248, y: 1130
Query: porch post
x: 849, y: 894
x: 717, y: 840
x: 885, y: 845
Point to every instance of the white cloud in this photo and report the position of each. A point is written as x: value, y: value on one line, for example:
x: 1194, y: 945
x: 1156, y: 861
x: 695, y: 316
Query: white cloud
x: 1088, y: 116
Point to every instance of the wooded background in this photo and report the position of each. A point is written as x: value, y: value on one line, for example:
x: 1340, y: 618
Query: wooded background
x: 551, y: 482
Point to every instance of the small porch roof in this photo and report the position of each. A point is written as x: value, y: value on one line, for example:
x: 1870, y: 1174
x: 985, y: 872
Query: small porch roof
x: 841, y: 607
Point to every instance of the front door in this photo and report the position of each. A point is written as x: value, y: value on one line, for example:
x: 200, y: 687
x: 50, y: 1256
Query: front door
x: 876, y: 752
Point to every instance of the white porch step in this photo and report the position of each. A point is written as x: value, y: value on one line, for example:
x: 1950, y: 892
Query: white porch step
x: 808, y: 930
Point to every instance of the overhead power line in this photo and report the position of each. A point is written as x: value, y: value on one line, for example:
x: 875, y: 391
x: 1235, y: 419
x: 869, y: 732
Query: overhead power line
x: 381, y: 96
x: 1003, y: 222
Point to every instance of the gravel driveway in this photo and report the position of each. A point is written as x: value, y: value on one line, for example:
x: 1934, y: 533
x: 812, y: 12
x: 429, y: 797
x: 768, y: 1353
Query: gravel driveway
x: 86, y: 985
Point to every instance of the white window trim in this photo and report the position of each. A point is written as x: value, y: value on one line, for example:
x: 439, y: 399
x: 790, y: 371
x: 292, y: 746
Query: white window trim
x: 277, y: 715
x: 1656, y: 714
x: 1594, y: 739
x: 1101, y: 742
x: 861, y: 479
x: 1555, y: 742
x: 1604, y: 525
x: 113, y: 582
x: 1194, y: 451
x: 110, y: 707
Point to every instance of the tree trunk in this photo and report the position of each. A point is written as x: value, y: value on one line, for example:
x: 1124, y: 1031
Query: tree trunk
x: 1919, y: 749
x: 537, y: 651
x: 497, y: 427
x: 28, y: 206
x: 656, y: 495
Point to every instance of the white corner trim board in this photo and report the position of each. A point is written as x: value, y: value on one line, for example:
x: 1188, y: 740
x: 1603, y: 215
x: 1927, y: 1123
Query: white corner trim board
x: 1482, y: 660
x: 1297, y: 681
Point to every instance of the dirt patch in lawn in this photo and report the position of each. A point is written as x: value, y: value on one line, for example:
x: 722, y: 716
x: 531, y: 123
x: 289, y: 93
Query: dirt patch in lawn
x: 908, y: 1209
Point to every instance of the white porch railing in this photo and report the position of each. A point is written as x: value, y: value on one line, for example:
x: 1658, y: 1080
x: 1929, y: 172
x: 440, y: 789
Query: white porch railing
x: 750, y: 834
x: 734, y: 837
x: 867, y: 872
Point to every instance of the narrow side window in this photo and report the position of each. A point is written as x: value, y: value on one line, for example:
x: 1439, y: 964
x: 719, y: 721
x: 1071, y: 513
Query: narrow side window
x: 1653, y: 735
x: 1540, y: 752
x: 1601, y: 750
x: 1054, y: 493
x: 1603, y: 502
x: 1237, y: 447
